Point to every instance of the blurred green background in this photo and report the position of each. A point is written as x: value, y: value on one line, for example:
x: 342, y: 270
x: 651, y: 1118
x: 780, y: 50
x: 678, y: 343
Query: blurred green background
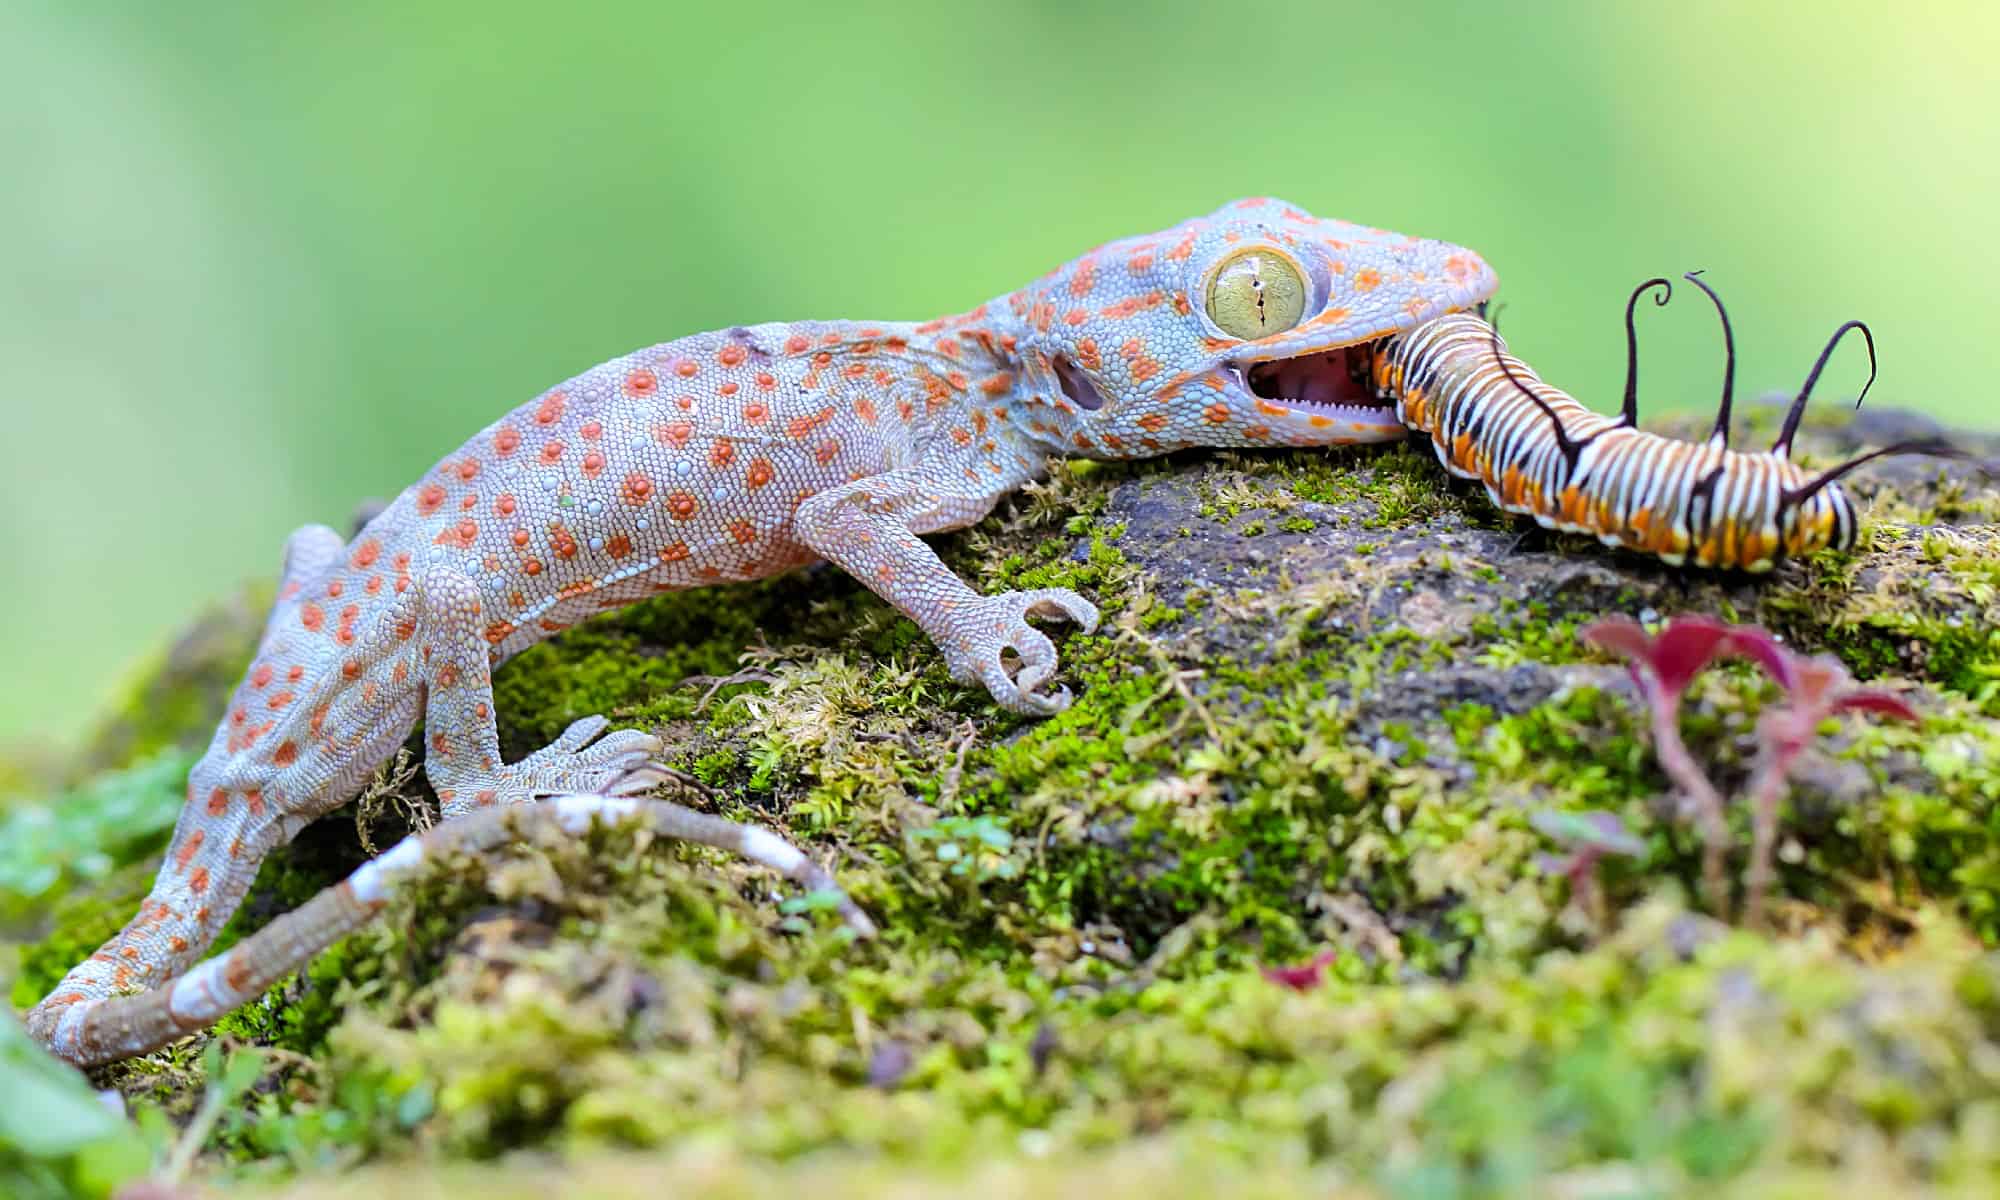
x: 258, y: 261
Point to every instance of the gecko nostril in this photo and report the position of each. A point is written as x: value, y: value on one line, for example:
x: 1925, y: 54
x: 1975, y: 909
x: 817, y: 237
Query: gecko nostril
x: 1076, y: 385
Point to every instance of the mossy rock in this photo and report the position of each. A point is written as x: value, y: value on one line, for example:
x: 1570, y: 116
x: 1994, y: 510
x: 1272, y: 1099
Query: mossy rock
x: 1332, y: 696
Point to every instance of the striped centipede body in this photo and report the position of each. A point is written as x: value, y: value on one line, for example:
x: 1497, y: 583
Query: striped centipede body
x: 1540, y: 453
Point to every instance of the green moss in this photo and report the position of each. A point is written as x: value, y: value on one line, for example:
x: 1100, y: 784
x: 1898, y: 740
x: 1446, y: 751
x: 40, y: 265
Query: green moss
x: 1324, y: 751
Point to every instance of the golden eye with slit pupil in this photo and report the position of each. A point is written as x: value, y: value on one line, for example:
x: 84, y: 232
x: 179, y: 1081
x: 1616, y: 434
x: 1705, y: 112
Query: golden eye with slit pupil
x: 1256, y: 293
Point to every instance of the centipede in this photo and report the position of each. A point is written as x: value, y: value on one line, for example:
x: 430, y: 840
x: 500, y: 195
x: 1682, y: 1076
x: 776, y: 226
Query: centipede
x: 1540, y: 453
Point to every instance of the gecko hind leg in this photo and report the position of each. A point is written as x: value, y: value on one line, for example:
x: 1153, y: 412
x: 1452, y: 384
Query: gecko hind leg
x: 448, y: 650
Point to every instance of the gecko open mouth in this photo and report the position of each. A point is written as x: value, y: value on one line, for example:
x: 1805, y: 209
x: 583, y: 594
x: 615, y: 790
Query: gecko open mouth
x: 1335, y: 382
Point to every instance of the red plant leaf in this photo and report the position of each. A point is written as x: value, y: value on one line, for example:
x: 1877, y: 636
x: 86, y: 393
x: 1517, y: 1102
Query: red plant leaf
x: 1875, y: 700
x: 1763, y: 648
x: 1684, y: 647
x: 1304, y: 977
x: 1672, y: 659
x: 1621, y: 635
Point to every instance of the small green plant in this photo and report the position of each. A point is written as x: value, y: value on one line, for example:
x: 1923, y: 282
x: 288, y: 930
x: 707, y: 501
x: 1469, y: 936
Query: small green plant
x: 84, y: 835
x: 975, y: 848
x: 1588, y: 837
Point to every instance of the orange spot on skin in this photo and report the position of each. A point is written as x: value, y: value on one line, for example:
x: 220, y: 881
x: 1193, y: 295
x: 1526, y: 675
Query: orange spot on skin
x: 311, y: 616
x: 618, y: 546
x: 743, y: 531
x: 505, y: 505
x: 261, y: 676
x: 756, y: 413
x: 218, y: 802
x: 593, y: 464
x: 499, y: 631
x: 1132, y: 306
x: 430, y: 498
x: 1153, y: 422
x: 506, y: 440
x: 468, y: 470
x: 561, y: 542
x: 278, y: 700
x: 550, y: 410
x: 189, y: 849
x: 1367, y: 279
x: 731, y: 356
x: 674, y: 553
x: 797, y: 344
x: 198, y: 880
x: 637, y: 489
x: 641, y: 381
x: 531, y: 566
x: 997, y: 384
x: 766, y: 380
x: 827, y: 452
x: 720, y: 453
x: 674, y: 434
x: 552, y: 452
x: 1084, y: 279
x: 1087, y: 355
x: 591, y: 431
x: 682, y: 505
x: 1216, y: 414
x: 760, y: 472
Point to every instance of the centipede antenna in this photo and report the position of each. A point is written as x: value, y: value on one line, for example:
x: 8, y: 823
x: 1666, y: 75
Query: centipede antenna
x: 1570, y: 449
x: 1934, y: 447
x: 1720, y: 435
x: 1628, y: 415
x: 1783, y: 446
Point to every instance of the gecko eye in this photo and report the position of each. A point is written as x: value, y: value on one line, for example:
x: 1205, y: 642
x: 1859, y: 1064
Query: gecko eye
x: 1256, y: 293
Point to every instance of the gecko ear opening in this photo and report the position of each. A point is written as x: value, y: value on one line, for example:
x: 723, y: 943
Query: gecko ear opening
x: 1076, y: 385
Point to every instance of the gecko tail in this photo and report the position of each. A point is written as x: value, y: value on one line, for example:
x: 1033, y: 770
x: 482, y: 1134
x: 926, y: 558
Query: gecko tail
x: 91, y: 1031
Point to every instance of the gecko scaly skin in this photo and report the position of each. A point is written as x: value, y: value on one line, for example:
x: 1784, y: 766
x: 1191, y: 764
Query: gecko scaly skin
x: 722, y: 457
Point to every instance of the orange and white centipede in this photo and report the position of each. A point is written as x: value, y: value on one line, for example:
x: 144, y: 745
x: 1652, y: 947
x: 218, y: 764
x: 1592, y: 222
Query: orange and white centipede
x: 1542, y: 454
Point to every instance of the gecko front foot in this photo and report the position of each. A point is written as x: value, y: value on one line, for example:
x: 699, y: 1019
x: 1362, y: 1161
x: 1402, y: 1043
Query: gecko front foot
x: 998, y: 624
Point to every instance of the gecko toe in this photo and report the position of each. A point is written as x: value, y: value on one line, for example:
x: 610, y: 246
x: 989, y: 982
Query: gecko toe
x: 580, y: 733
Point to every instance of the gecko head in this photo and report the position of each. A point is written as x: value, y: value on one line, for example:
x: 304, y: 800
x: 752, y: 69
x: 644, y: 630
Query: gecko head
x: 1252, y: 326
